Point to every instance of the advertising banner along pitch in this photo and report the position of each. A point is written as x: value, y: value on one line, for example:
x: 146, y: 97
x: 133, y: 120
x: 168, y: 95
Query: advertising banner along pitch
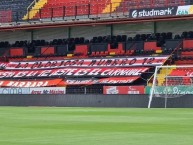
x: 171, y: 90
x: 48, y: 90
x: 75, y: 72
x: 91, y: 63
x: 123, y: 90
x: 11, y: 91
x: 39, y: 91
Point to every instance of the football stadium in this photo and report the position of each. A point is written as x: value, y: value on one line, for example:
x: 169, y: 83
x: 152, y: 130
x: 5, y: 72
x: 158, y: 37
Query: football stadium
x: 96, y: 72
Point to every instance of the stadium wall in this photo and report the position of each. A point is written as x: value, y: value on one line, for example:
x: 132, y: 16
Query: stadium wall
x: 132, y: 29
x: 88, y: 32
x: 50, y: 34
x: 134, y: 101
x: 12, y: 36
x: 176, y: 27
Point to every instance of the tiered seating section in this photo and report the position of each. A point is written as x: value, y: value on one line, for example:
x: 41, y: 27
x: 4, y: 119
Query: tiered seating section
x: 182, y: 56
x: 185, y: 53
x: 63, y: 8
x: 105, y: 46
x: 180, y: 76
x: 100, y: 47
x: 16, y: 10
x: 121, y: 45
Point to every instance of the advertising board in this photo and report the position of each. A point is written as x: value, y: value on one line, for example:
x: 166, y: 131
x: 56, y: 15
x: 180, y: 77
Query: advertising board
x: 39, y: 91
x: 123, y: 90
x: 153, y: 12
x: 48, y: 90
x: 11, y: 91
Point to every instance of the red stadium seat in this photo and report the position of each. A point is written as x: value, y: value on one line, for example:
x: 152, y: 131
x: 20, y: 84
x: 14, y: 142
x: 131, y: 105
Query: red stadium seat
x: 117, y: 51
x: 47, y: 51
x: 187, y: 44
x: 16, y: 52
x: 81, y: 50
x: 151, y: 46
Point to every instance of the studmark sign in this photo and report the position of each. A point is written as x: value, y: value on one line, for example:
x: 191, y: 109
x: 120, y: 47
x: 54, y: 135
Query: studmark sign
x: 153, y: 12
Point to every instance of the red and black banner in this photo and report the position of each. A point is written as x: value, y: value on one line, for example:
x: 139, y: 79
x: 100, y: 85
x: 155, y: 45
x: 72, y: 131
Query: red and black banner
x: 30, y: 83
x: 74, y: 72
x: 66, y: 82
x: 91, y: 81
x: 3, y: 64
x: 89, y: 63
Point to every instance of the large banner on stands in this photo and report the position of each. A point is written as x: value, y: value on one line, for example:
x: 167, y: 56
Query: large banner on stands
x: 153, y: 12
x: 30, y: 83
x: 75, y: 72
x: 91, y: 63
x: 90, y: 81
x: 123, y: 90
x: 3, y: 64
x: 67, y: 81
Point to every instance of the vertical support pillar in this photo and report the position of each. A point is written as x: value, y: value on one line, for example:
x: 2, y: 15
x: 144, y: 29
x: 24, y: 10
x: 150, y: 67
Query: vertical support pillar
x: 154, y: 27
x: 52, y: 13
x: 64, y: 12
x: 89, y: 10
x: 32, y: 35
x: 111, y: 29
x: 69, y: 32
x: 76, y: 11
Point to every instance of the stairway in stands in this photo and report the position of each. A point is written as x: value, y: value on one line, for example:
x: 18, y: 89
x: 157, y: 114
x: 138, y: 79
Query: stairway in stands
x: 161, y: 75
x: 112, y: 7
x: 35, y: 9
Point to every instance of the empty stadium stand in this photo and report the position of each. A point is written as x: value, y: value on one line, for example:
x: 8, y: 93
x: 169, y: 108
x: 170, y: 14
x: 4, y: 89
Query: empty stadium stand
x: 177, y: 76
x: 102, y: 46
x: 65, y: 8
x: 179, y: 47
x: 18, y: 10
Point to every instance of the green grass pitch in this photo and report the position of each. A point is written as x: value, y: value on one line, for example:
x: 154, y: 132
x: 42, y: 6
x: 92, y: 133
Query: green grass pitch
x: 95, y: 126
